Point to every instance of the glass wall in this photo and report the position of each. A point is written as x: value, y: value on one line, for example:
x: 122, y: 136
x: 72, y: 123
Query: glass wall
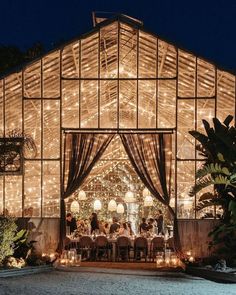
x: 116, y: 77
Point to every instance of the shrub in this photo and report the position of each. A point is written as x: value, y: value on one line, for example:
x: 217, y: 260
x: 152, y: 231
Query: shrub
x: 7, y: 233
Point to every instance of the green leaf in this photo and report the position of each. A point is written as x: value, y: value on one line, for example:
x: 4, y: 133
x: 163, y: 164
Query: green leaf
x: 228, y: 120
x: 220, y: 157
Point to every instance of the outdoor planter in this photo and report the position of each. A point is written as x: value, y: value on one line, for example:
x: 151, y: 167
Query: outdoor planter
x: 209, y: 274
x: 12, y: 272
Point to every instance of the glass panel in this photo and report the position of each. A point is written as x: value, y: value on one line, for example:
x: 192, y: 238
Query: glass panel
x: 166, y: 60
x: 147, y: 56
x: 185, y: 180
x: 89, y: 58
x: 205, y: 79
x: 1, y: 195
x: 186, y: 74
x: 128, y: 51
x: 166, y: 103
x: 51, y: 188
x: 128, y: 104
x: 13, y: 102
x: 13, y: 195
x: 205, y: 110
x: 185, y: 123
x: 51, y: 129
x: 108, y: 104
x: 208, y: 212
x: 225, y: 95
x: 32, y: 122
x: 70, y: 103
x: 70, y: 60
x: 1, y: 109
x: 89, y: 104
x: 32, y: 189
x: 109, y: 51
x: 32, y: 80
x: 146, y: 104
x: 51, y: 75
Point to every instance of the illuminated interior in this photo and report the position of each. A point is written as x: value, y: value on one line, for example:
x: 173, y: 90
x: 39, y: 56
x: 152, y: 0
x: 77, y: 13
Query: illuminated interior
x: 118, y: 76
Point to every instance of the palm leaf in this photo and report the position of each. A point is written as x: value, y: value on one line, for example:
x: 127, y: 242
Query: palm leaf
x: 207, y: 196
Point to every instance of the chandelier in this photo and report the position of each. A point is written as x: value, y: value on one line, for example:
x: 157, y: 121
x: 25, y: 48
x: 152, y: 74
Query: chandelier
x: 74, y: 207
x: 148, y: 201
x: 120, y: 209
x: 129, y: 197
x: 97, y: 205
x: 82, y: 196
x: 112, y: 206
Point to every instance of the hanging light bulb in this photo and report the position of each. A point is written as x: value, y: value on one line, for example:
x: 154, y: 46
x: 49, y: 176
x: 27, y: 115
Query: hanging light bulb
x: 82, y: 196
x: 120, y: 209
x: 97, y: 205
x: 146, y: 192
x: 148, y: 201
x: 129, y: 197
x: 74, y: 207
x: 112, y: 206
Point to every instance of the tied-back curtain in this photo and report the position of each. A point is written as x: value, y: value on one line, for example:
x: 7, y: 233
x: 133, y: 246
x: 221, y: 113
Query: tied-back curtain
x: 151, y: 157
x: 81, y: 153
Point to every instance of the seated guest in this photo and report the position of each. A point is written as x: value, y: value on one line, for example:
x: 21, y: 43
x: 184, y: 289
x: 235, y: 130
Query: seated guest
x: 101, y: 227
x: 87, y: 227
x: 151, y: 226
x: 71, y: 222
x: 94, y: 223
x: 106, y: 228
x: 143, y: 227
x: 114, y: 226
x: 160, y: 222
x: 130, y: 228
x: 124, y: 231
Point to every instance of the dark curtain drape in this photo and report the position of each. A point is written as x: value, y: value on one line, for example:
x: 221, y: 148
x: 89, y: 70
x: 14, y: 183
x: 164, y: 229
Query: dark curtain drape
x: 151, y: 157
x: 81, y: 153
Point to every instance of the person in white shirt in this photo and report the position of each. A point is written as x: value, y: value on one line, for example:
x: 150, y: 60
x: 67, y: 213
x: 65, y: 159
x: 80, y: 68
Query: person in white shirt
x: 124, y: 231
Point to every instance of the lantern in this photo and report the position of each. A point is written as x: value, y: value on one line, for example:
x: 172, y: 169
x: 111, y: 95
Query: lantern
x: 97, y: 205
x: 146, y: 192
x: 74, y: 207
x: 129, y: 197
x: 148, y: 201
x: 120, y: 209
x: 82, y: 196
x: 112, y: 206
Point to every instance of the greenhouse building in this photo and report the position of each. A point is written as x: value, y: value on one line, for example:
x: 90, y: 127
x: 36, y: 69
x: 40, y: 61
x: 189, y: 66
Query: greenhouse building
x: 101, y: 124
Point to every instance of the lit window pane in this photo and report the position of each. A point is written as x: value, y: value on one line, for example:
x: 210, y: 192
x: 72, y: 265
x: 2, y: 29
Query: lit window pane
x: 51, y: 188
x: 89, y: 104
x: 32, y: 189
x: 70, y: 104
x: 185, y: 180
x: 32, y: 80
x: 51, y: 75
x: 51, y: 129
x: 70, y: 60
x: 1, y: 109
x: 32, y: 123
x: 108, y: 104
x: 146, y: 104
x: 185, y: 123
x: 13, y: 195
x: 166, y: 60
x: 205, y: 79
x: 128, y: 104
x: 166, y: 103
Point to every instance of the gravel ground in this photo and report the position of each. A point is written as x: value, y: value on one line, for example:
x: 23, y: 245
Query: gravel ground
x: 111, y: 282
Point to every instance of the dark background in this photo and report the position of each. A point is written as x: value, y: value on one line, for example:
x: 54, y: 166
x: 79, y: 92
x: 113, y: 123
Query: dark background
x: 206, y: 28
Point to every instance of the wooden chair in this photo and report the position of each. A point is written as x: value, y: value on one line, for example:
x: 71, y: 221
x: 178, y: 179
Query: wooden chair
x: 140, y: 246
x: 123, y: 248
x: 170, y: 244
x: 157, y: 245
x: 86, y: 246
x: 101, y: 247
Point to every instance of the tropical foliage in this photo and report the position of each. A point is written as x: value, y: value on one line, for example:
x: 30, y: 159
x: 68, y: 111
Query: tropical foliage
x: 218, y: 149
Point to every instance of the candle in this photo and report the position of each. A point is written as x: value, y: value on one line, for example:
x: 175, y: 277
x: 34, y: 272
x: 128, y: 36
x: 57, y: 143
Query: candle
x: 167, y: 261
x: 191, y: 259
x: 188, y: 253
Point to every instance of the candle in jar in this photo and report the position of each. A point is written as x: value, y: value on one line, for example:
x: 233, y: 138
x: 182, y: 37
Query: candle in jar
x: 191, y: 259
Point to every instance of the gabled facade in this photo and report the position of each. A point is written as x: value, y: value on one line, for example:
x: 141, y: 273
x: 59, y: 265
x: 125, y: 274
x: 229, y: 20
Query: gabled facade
x: 116, y: 77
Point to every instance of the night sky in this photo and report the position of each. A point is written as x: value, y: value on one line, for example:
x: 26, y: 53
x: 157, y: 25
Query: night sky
x: 205, y: 27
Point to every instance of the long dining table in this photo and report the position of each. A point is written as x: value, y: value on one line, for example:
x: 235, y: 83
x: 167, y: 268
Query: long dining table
x: 74, y: 242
